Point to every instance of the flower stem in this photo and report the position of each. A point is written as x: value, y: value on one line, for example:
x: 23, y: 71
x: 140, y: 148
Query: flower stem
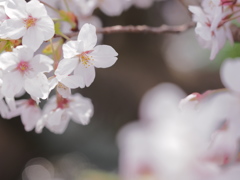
x: 64, y: 36
x: 51, y: 7
x: 66, y: 4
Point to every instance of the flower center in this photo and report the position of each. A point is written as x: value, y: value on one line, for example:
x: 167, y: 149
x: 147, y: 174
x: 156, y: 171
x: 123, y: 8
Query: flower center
x: 30, y: 21
x: 31, y: 102
x: 23, y: 66
x: 62, y: 103
x: 85, y: 59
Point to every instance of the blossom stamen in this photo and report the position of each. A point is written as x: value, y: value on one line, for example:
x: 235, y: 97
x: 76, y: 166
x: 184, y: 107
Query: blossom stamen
x: 31, y: 102
x: 30, y: 21
x: 23, y: 66
x: 62, y: 103
x: 85, y: 59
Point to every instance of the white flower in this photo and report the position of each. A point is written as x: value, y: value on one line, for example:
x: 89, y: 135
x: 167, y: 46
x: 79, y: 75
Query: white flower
x: 56, y: 116
x: 64, y: 81
x: 211, y: 6
x: 29, y: 21
x: 22, y: 70
x: 211, y: 29
x: 82, y: 56
x: 29, y: 111
x: 180, y: 144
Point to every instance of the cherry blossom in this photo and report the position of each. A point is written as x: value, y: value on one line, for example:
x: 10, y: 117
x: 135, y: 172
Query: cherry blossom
x: 29, y: 21
x: 210, y: 30
x: 83, y: 55
x: 22, y: 70
x: 194, y: 145
x: 64, y: 82
x: 57, y: 113
x: 29, y: 111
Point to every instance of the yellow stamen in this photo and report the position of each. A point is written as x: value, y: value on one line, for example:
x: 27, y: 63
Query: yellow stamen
x: 30, y: 21
x: 85, y: 59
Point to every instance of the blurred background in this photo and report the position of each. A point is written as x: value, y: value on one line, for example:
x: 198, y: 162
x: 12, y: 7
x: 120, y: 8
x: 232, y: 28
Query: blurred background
x: 144, y: 61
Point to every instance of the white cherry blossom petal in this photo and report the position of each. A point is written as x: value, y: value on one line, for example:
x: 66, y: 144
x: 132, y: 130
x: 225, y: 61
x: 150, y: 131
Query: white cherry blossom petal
x: 41, y: 63
x: 88, y: 73
x: 45, y: 25
x: 29, y: 116
x: 4, y: 109
x: 33, y: 38
x: 88, y: 35
x: 82, y: 109
x: 12, y: 28
x: 73, y: 81
x: 104, y: 56
x: 37, y: 86
x: 24, y: 53
x: 66, y: 67
x: 72, y: 48
x: 52, y: 83
x: 11, y: 104
x: 58, y: 121
x: 228, y: 72
x: 12, y: 84
x: 16, y: 9
x: 36, y: 9
x: 8, y: 61
x: 63, y: 90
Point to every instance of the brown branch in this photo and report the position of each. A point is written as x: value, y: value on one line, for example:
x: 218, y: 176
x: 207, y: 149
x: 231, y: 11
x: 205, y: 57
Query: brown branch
x: 142, y: 29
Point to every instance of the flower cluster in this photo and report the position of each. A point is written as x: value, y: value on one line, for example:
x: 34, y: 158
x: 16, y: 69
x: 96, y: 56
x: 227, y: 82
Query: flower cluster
x: 24, y: 26
x: 213, y: 23
x: 196, y: 139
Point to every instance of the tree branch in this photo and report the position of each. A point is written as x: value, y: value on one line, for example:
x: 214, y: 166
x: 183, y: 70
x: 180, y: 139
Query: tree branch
x: 142, y: 29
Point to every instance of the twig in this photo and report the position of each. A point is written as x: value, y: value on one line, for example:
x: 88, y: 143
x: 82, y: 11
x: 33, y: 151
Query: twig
x: 142, y: 29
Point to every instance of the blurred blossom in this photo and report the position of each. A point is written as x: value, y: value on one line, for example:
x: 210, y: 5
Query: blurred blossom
x: 156, y: 105
x: 200, y: 141
x: 71, y: 166
x: 183, y: 54
x: 39, y: 169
